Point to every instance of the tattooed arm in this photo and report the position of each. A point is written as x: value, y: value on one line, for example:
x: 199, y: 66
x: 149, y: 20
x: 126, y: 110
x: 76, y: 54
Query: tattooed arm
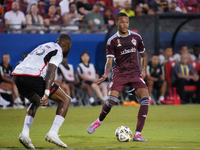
x: 144, y: 63
x: 108, y: 67
x: 50, y: 75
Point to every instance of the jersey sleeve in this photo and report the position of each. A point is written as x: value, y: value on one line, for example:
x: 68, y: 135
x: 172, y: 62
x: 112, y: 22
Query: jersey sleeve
x: 79, y: 70
x: 191, y: 69
x: 1, y: 71
x: 141, y: 47
x: 148, y: 70
x: 7, y: 16
x: 56, y: 59
x: 110, y: 49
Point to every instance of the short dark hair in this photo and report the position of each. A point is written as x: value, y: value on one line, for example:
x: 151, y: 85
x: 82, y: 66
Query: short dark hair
x: 182, y: 46
x: 169, y: 46
x: 120, y: 15
x: 196, y: 46
x: 64, y: 37
x: 84, y: 52
x: 71, y: 4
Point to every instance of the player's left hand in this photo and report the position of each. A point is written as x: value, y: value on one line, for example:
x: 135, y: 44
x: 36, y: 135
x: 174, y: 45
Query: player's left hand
x: 104, y: 76
x: 44, y: 101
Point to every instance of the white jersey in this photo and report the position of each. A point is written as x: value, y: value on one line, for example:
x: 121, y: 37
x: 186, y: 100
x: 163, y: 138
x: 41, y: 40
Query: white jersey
x: 36, y: 63
x: 88, y: 71
x: 68, y: 73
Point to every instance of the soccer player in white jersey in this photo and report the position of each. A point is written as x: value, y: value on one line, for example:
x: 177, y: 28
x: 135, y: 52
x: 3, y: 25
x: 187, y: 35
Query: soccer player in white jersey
x: 34, y: 78
x: 126, y: 47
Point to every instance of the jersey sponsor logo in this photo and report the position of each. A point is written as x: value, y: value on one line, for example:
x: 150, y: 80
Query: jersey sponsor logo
x: 126, y: 51
x: 119, y: 44
x: 134, y: 42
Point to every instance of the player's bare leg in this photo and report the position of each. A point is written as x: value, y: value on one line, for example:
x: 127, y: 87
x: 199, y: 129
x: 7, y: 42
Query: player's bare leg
x: 112, y: 99
x: 143, y: 95
x: 63, y: 101
x: 24, y: 135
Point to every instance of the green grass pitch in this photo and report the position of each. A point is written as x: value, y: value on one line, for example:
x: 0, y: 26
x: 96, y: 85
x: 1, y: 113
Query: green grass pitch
x: 166, y: 128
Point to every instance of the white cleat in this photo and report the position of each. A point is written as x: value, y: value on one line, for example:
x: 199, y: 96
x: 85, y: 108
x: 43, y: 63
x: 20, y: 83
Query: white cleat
x: 53, y: 138
x: 4, y: 102
x: 26, y: 141
x: 17, y: 101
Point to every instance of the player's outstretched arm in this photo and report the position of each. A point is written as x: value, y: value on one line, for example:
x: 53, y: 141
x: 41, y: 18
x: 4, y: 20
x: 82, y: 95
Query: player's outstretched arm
x: 144, y: 63
x: 50, y: 75
x: 108, y: 67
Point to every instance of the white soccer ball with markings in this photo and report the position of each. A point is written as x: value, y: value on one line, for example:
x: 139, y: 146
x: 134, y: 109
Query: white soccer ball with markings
x: 123, y: 134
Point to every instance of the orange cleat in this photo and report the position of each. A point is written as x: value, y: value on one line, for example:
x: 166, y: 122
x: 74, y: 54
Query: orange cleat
x: 133, y: 103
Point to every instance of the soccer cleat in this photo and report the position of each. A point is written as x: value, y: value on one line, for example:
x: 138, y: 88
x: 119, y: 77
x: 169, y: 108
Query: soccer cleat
x: 162, y: 101
x: 4, y: 102
x: 93, y: 127
x: 150, y: 102
x: 17, y: 101
x: 125, y: 103
x: 139, y: 138
x: 25, y: 141
x: 53, y: 138
x: 18, y: 106
x: 133, y: 103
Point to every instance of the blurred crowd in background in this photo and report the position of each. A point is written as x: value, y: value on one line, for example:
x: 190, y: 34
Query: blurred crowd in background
x: 53, y: 16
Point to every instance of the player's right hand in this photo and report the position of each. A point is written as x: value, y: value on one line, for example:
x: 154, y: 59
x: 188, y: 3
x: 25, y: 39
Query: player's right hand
x: 104, y: 76
x: 44, y: 101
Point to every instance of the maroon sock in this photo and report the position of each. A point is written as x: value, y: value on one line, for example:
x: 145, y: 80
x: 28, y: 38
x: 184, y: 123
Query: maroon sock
x: 107, y: 107
x: 144, y: 102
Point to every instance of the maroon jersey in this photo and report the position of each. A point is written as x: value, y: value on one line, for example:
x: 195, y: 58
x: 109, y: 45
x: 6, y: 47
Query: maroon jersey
x: 125, y: 50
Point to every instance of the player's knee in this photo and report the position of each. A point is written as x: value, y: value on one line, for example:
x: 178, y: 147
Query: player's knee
x: 111, y: 101
x: 66, y: 99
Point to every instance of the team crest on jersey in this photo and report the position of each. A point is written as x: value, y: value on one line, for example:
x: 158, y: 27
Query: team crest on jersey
x: 119, y: 44
x: 134, y: 42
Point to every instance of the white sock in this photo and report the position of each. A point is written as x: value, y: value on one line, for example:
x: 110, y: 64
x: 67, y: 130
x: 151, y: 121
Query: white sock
x: 91, y: 99
x: 149, y: 97
x: 58, y: 121
x: 99, y: 121
x: 27, y: 124
x: 74, y: 100
x: 136, y: 133
x: 161, y: 98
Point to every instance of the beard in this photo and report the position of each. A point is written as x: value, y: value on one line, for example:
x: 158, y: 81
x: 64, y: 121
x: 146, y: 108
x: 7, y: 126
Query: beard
x: 65, y: 54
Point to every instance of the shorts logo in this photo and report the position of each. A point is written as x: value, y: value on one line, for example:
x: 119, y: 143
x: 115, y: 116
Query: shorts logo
x: 134, y: 42
x: 110, y: 84
x: 142, y: 80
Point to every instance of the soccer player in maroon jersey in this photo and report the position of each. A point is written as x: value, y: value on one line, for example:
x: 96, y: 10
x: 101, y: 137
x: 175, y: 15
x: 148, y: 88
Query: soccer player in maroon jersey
x: 125, y: 46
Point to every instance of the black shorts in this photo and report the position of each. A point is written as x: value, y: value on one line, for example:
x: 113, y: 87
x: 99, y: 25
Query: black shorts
x: 28, y: 85
x: 88, y: 82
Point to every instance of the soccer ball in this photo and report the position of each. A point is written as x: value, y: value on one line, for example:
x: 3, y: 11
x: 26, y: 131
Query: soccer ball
x: 123, y: 134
